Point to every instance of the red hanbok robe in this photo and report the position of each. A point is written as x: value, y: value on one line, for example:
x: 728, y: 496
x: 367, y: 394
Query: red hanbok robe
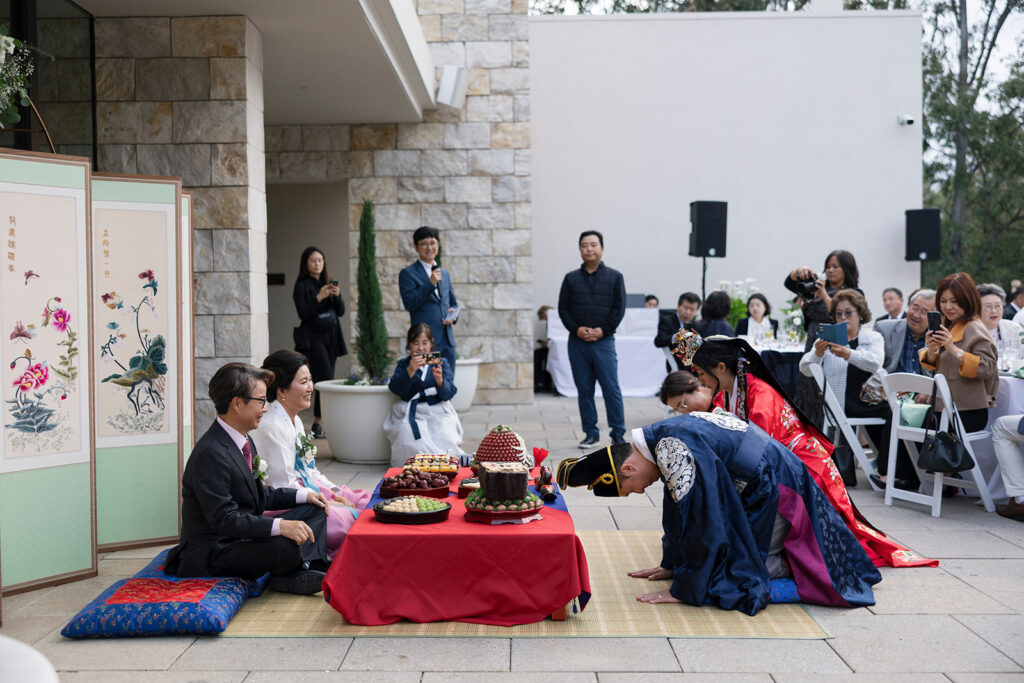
x: 772, y: 412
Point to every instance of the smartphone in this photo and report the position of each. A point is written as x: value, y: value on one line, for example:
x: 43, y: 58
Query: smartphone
x: 432, y: 358
x: 434, y: 267
x: 934, y: 320
x: 334, y: 283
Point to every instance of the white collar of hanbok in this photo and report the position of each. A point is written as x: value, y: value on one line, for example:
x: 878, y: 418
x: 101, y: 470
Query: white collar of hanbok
x: 640, y: 443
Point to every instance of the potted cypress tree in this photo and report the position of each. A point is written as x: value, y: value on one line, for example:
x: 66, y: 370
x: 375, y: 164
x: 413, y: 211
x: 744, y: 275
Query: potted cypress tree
x: 354, y: 409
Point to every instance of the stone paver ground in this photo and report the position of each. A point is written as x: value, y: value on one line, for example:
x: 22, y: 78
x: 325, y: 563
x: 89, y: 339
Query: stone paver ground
x: 962, y: 621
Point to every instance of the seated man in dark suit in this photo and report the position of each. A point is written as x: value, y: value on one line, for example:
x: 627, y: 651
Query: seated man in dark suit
x: 1015, y: 305
x: 669, y: 322
x: 223, y: 530
x: 903, y: 339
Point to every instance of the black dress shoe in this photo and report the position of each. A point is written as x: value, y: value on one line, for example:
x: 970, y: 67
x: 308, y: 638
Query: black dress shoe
x: 618, y: 440
x: 1011, y: 510
x: 901, y: 484
x: 317, y: 431
x: 301, y: 582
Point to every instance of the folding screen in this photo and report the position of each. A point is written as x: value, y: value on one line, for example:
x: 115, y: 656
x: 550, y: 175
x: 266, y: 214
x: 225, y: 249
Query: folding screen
x: 47, y: 494
x: 137, y: 348
x: 188, y: 344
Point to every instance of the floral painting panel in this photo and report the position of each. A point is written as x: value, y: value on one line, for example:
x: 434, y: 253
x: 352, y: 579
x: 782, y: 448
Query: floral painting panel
x: 132, y: 294
x: 43, y: 323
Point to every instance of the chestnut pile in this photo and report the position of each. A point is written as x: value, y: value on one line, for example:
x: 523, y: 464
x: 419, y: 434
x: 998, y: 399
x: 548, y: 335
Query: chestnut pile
x: 412, y: 478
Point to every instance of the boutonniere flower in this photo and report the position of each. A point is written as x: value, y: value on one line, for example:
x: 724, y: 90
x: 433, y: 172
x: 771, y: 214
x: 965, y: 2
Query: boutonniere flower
x: 305, y: 449
x: 259, y: 468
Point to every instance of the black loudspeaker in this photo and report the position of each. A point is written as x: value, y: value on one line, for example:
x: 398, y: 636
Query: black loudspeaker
x: 922, y: 235
x: 707, y: 229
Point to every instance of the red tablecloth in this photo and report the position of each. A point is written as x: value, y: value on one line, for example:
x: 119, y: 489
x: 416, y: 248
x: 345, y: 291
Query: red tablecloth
x: 457, y: 570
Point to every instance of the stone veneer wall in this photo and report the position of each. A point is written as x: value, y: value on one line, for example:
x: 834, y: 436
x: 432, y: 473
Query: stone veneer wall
x: 465, y: 172
x: 183, y: 96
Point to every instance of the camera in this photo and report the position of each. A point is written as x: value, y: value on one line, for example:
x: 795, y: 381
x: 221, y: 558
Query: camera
x: 808, y: 289
x: 432, y: 358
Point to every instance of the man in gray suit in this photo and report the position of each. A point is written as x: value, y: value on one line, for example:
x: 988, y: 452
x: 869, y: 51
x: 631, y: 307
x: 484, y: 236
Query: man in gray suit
x: 905, y: 337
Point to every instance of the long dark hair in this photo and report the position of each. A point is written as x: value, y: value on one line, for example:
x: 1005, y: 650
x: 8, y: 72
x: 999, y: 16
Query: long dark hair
x: 964, y: 291
x: 851, y: 276
x: 763, y: 299
x: 285, y: 364
x: 304, y: 271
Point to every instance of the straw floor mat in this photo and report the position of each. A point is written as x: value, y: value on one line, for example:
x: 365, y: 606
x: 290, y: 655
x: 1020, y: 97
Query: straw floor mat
x: 613, y: 610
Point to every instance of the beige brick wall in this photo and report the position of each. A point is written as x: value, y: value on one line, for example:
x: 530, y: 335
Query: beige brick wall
x: 183, y: 97
x: 465, y: 172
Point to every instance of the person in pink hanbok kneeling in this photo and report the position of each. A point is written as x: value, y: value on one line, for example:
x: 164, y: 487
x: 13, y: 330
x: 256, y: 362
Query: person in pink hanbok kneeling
x: 281, y: 442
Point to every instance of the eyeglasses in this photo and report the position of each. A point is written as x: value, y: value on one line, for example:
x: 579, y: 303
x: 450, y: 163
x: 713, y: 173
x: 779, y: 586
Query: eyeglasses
x: 992, y: 307
x: 844, y: 314
x: 263, y: 400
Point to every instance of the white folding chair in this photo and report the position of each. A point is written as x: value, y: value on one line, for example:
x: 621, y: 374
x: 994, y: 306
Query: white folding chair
x: 847, y: 426
x: 903, y: 382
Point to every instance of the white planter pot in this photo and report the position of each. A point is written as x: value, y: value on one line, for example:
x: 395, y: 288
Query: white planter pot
x: 467, y: 371
x: 353, y: 420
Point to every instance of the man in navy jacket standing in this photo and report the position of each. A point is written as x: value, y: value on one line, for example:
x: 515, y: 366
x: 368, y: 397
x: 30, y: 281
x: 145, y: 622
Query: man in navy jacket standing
x: 427, y: 293
x: 591, y: 305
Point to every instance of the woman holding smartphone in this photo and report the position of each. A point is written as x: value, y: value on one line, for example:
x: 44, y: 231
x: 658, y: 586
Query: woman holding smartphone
x: 424, y: 419
x: 319, y: 304
x: 962, y: 350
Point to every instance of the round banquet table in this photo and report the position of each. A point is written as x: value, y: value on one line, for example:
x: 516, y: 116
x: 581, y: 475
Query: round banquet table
x: 1009, y: 402
x: 457, y: 570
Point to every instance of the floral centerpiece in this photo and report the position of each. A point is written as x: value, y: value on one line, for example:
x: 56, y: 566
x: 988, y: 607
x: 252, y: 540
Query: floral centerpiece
x: 792, y: 322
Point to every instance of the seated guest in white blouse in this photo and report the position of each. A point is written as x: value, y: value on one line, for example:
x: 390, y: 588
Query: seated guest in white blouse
x: 1005, y: 333
x: 846, y: 368
x: 757, y: 324
x: 281, y: 441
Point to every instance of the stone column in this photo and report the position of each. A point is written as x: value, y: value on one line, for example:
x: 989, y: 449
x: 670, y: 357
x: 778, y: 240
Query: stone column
x: 467, y: 173
x: 183, y: 96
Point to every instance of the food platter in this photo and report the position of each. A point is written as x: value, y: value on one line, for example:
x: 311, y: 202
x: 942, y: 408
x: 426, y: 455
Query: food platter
x: 431, y: 517
x: 485, y: 516
x: 438, y: 492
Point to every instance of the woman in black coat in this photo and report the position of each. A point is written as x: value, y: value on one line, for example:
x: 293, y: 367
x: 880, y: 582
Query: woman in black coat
x: 319, y: 304
x: 758, y: 310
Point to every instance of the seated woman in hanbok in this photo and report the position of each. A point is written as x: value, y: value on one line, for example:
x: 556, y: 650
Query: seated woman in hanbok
x: 290, y: 454
x: 742, y: 516
x: 744, y: 386
x: 424, y: 421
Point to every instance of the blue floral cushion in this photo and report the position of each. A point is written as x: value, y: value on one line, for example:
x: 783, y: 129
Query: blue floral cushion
x: 783, y: 590
x: 153, y: 603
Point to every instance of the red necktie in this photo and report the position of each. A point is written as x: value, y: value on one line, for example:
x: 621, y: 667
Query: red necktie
x: 247, y: 454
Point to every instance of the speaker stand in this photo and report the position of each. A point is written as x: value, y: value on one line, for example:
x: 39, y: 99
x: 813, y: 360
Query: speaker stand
x: 703, y: 278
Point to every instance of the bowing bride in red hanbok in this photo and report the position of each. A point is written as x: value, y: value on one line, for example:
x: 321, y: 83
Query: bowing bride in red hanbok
x: 743, y: 385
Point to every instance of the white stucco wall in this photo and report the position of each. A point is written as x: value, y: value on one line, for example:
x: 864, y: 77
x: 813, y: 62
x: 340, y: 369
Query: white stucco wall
x: 791, y: 118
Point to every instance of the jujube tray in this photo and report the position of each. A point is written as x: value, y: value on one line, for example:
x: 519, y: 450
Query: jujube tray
x: 431, y: 517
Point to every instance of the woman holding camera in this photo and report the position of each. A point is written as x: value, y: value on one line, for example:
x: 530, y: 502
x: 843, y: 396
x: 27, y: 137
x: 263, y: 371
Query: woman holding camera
x: 815, y: 292
x: 424, y: 420
x: 963, y: 351
x: 318, y: 302
x: 847, y: 367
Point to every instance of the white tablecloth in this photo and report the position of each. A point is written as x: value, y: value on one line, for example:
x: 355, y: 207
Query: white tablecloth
x: 1009, y: 402
x: 641, y: 363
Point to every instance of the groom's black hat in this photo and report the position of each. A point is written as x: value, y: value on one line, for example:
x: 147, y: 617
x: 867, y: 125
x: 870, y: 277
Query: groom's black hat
x: 598, y: 471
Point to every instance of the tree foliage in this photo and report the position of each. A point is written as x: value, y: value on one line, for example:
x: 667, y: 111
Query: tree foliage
x: 974, y: 143
x: 371, y: 344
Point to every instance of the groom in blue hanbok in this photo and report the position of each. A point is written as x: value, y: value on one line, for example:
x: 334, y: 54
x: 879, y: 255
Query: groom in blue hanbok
x: 743, y: 520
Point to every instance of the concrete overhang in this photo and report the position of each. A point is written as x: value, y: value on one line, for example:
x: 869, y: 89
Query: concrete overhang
x: 324, y: 61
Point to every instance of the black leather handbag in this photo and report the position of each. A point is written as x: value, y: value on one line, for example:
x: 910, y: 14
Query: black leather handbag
x: 941, y: 451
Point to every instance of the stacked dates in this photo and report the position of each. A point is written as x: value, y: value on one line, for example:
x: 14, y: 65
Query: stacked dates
x: 412, y: 478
